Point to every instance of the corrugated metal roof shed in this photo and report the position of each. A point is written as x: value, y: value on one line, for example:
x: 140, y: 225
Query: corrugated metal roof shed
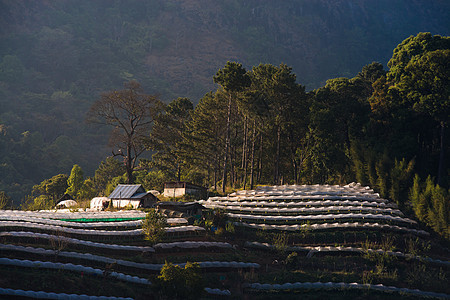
x: 127, y: 191
x: 140, y: 195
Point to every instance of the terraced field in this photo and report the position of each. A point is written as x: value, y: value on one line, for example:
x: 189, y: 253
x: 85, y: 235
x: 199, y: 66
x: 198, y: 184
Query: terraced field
x: 346, y: 235
x: 309, y: 242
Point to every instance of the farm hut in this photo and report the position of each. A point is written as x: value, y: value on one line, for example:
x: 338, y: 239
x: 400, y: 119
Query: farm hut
x: 132, y: 195
x: 100, y: 203
x: 178, y: 189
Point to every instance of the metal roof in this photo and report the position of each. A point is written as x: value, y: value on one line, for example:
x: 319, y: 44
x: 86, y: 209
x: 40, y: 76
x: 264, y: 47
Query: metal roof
x: 127, y: 191
x: 140, y: 195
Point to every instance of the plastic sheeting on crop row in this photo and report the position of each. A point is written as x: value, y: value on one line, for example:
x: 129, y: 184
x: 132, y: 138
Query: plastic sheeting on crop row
x: 70, y: 267
x: 218, y: 292
x: 304, y: 194
x: 298, y: 198
x: 54, y: 228
x: 184, y: 228
x: 306, y: 190
x: 327, y: 226
x: 342, y: 285
x: 299, y: 204
x: 191, y: 245
x: 76, y: 241
x: 312, y: 250
x: 50, y: 295
x: 76, y: 215
x: 286, y: 210
x: 90, y: 232
x: 144, y: 266
x: 72, y: 224
x: 300, y: 218
x: 352, y: 187
x: 125, y: 224
x: 78, y: 255
x: 178, y: 221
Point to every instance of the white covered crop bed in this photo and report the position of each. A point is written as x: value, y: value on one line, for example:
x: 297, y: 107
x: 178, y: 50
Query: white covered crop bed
x: 305, y: 210
x: 33, y: 235
x: 75, y: 215
x: 144, y: 266
x: 48, y: 295
x: 328, y: 226
x: 321, y: 249
x: 327, y: 217
x: 69, y: 267
x: 343, y: 285
x: 90, y: 232
x: 323, y: 207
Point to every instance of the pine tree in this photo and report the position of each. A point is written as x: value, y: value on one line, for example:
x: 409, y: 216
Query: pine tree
x: 75, y: 181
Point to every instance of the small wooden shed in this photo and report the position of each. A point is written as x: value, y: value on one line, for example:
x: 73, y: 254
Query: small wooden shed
x: 132, y: 195
x: 180, y: 188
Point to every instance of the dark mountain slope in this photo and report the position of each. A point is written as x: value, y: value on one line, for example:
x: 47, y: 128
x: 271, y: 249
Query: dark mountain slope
x: 56, y: 57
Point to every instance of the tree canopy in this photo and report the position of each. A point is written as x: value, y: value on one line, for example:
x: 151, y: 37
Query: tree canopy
x: 130, y: 113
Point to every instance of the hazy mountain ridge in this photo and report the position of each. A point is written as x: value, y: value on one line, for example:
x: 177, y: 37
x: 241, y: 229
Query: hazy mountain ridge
x: 56, y: 57
x: 191, y: 39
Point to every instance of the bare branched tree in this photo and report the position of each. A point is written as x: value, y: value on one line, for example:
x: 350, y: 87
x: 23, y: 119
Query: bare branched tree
x: 131, y: 113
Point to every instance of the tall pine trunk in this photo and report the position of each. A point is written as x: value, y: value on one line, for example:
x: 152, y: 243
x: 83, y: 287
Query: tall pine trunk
x: 258, y: 178
x: 295, y: 168
x: 216, y: 170
x: 276, y: 174
x: 227, y: 146
x: 244, y: 143
x: 244, y: 154
x: 253, y: 156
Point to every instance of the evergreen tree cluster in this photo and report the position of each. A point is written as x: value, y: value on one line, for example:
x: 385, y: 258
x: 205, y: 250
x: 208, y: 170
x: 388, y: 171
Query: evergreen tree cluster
x: 380, y: 128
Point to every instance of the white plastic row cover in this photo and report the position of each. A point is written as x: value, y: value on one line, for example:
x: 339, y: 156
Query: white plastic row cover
x: 184, y: 228
x: 190, y: 245
x: 218, y: 292
x: 49, y: 295
x: 34, y: 219
x: 135, y: 232
x: 281, y: 210
x: 312, y: 250
x: 266, y: 197
x: 71, y: 224
x: 76, y: 241
x: 54, y: 214
x: 290, y: 204
x: 354, y: 186
x: 151, y: 267
x: 331, y: 226
x: 70, y: 267
x: 342, y: 285
x: 321, y: 217
x: 317, y: 188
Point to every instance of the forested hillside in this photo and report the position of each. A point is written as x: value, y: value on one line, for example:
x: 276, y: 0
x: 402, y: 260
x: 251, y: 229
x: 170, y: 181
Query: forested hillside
x: 58, y: 56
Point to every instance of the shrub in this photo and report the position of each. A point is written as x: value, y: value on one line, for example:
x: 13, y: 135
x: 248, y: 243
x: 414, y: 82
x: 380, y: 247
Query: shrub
x: 230, y: 227
x: 175, y: 282
x: 280, y: 241
x: 154, y: 226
